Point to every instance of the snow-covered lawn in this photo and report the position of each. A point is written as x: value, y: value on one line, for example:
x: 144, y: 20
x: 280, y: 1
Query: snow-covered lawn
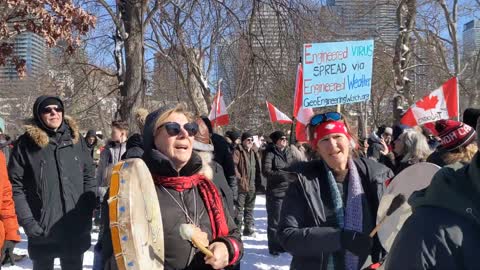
x: 256, y: 250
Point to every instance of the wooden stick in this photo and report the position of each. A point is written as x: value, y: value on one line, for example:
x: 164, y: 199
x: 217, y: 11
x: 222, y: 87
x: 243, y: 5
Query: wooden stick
x: 203, y: 249
x: 375, y: 230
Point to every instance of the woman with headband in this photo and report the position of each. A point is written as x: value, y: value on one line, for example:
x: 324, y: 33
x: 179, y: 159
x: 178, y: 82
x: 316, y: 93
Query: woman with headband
x: 328, y: 213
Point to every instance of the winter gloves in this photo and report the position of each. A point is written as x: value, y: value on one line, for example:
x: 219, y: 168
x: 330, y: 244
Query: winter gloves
x: 32, y: 228
x: 7, y: 252
x: 359, y: 244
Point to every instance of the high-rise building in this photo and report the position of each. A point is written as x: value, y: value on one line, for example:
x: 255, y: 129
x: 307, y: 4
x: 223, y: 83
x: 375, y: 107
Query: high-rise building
x: 31, y: 48
x: 368, y: 19
x: 471, y: 39
x: 471, y: 49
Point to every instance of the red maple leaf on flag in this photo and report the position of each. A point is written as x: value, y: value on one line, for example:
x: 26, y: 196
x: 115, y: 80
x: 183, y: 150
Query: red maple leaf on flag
x: 427, y: 103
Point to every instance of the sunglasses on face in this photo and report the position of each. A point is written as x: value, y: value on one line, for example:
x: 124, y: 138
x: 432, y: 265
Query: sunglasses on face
x: 323, y: 117
x: 249, y: 140
x: 174, y: 128
x: 51, y: 109
x: 283, y: 138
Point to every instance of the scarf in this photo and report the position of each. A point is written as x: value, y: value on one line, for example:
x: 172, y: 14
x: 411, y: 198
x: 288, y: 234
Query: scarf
x: 209, y: 194
x: 352, y: 217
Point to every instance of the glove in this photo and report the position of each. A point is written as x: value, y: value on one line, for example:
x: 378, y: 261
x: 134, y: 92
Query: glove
x: 359, y: 244
x: 32, y: 228
x: 7, y: 252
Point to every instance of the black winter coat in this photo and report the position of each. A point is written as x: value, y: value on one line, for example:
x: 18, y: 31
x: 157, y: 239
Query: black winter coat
x: 303, y: 230
x: 224, y: 156
x: 53, y: 186
x: 275, y: 162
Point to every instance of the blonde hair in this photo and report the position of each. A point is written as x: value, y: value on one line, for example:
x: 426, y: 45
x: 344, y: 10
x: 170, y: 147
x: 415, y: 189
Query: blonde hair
x: 415, y: 146
x: 180, y: 108
x: 463, y: 154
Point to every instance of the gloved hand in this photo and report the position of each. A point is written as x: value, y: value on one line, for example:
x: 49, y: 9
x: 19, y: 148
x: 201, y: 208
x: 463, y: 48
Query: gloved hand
x: 359, y: 244
x: 32, y: 228
x: 7, y: 252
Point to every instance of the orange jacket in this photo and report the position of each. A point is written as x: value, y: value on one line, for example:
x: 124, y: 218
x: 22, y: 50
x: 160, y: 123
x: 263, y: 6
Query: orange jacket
x: 8, y: 218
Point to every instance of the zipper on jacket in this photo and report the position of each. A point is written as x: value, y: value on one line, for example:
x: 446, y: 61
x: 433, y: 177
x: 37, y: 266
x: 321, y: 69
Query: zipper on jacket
x: 42, y: 193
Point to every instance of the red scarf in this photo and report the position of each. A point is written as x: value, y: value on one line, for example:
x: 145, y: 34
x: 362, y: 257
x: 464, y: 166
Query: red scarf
x: 210, y: 196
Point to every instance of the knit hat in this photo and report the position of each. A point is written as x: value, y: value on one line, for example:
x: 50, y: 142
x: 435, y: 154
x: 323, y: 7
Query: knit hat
x: 470, y: 117
x: 398, y: 130
x: 233, y: 135
x: 454, y: 134
x: 246, y: 135
x: 276, y: 135
x: 50, y: 101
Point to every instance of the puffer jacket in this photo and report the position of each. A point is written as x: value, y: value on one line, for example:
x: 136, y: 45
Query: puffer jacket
x: 8, y: 218
x: 275, y: 162
x: 443, y: 231
x: 54, y: 187
x: 179, y: 254
x: 304, y: 231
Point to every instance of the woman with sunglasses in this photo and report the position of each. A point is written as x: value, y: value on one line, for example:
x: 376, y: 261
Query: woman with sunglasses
x: 331, y: 208
x: 185, y: 195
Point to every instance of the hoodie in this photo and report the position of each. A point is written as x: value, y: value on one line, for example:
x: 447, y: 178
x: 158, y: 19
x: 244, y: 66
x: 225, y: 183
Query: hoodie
x: 444, y: 229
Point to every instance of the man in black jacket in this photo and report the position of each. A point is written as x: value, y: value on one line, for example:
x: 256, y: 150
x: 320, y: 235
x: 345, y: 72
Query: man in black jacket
x: 53, y: 183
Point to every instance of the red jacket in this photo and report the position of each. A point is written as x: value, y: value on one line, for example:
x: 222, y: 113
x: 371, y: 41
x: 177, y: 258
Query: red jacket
x: 8, y: 218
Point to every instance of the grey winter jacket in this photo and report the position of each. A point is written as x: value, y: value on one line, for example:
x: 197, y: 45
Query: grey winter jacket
x: 304, y: 231
x: 443, y: 232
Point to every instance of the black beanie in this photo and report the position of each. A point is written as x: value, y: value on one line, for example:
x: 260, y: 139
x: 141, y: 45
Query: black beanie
x: 276, y: 135
x: 233, y: 135
x: 470, y: 117
x: 246, y: 135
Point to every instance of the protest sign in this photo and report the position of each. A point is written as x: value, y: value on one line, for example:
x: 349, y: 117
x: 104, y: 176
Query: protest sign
x: 337, y: 73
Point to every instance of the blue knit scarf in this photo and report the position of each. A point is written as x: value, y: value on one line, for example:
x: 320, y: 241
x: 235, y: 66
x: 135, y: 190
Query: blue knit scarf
x: 350, y: 218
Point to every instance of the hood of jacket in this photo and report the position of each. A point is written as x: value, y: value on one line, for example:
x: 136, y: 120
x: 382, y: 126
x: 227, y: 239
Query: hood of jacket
x: 454, y: 188
x: 156, y: 161
x: 36, y: 111
x: 40, y: 136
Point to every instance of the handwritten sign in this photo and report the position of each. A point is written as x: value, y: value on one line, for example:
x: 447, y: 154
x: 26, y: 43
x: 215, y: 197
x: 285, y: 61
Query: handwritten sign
x: 337, y: 73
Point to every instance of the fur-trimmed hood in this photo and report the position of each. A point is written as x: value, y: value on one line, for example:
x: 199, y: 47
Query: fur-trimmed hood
x: 40, y: 136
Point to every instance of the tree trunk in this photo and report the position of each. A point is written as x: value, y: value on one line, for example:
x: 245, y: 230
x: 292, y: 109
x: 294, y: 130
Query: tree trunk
x: 134, y: 86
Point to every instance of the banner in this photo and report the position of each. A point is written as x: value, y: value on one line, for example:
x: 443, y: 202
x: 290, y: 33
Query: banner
x: 442, y: 103
x: 337, y: 73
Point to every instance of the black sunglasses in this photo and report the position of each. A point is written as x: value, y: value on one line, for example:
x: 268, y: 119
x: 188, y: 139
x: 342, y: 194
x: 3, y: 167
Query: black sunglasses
x: 323, y: 117
x: 173, y: 128
x: 51, y: 109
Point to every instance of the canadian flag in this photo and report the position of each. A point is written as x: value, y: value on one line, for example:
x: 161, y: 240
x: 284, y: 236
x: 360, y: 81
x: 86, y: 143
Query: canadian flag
x: 218, y: 115
x: 277, y: 116
x: 442, y: 103
x: 300, y: 113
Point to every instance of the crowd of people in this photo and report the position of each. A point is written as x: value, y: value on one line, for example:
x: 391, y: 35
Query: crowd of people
x: 322, y: 195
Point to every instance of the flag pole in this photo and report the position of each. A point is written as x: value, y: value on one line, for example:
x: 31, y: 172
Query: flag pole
x: 458, y: 100
x: 291, y: 130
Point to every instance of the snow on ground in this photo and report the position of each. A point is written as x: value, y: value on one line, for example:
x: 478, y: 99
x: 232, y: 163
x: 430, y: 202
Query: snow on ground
x: 256, y: 255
